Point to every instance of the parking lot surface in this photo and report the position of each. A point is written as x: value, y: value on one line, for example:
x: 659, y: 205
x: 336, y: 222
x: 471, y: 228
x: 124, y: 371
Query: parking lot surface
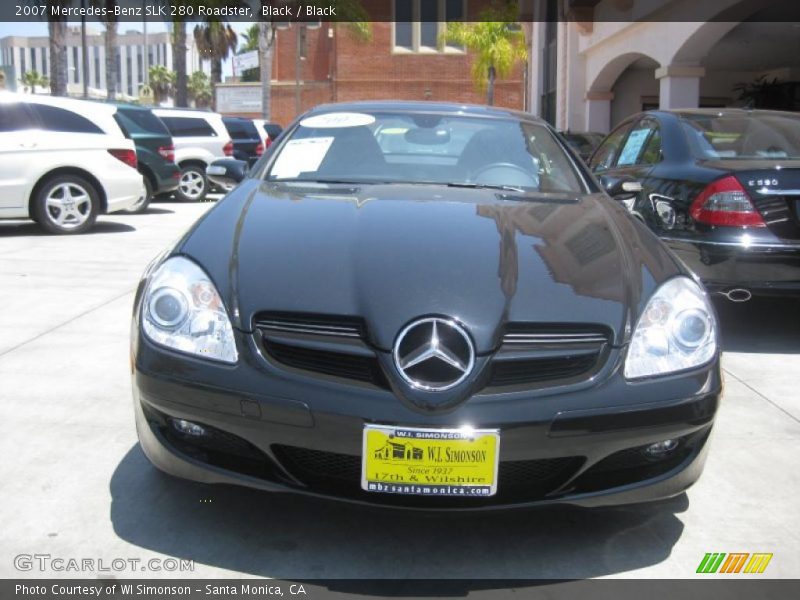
x: 76, y: 485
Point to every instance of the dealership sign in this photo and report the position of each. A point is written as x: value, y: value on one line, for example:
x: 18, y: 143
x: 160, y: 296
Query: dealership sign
x: 248, y: 60
x: 238, y: 98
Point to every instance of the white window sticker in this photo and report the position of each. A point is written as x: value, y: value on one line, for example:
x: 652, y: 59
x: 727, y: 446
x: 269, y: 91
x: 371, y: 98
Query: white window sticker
x: 633, y: 146
x: 338, y: 119
x: 301, y: 156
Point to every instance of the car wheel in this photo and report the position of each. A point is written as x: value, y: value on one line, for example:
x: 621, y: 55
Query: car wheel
x: 192, y: 185
x: 144, y: 200
x: 66, y: 204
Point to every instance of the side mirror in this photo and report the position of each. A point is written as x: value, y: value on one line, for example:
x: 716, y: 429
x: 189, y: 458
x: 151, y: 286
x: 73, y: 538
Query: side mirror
x: 227, y: 173
x: 621, y: 188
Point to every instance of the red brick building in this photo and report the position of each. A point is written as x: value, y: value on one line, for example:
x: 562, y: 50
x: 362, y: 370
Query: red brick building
x: 401, y: 61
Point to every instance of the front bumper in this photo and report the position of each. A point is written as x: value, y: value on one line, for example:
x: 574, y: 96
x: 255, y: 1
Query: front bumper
x: 762, y: 268
x: 283, y: 432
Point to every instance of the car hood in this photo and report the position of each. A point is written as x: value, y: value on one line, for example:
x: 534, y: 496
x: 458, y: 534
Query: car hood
x: 393, y: 253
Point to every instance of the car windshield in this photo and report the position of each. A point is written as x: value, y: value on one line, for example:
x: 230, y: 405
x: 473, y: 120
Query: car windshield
x: 752, y: 136
x: 386, y: 147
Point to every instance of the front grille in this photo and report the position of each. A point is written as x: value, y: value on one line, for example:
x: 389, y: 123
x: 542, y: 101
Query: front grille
x: 329, y: 345
x: 340, y: 474
x: 538, y: 370
x: 534, y: 354
x: 336, y: 364
x: 337, y: 346
x: 310, y: 324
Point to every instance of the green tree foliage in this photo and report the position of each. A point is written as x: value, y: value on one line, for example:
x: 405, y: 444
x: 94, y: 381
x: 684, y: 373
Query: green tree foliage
x: 497, y: 42
x: 32, y: 79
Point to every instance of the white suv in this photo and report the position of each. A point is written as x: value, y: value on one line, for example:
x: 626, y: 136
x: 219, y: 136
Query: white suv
x: 63, y: 162
x: 200, y: 137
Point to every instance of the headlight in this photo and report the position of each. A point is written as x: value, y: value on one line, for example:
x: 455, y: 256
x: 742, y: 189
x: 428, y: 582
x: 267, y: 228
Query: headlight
x: 182, y: 310
x: 677, y: 331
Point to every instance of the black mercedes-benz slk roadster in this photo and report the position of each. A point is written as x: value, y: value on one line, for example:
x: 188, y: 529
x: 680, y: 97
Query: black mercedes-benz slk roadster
x: 426, y: 306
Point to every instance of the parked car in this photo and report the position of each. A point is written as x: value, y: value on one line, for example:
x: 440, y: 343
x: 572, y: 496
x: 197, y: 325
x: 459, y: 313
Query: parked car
x: 154, y: 150
x: 247, y: 144
x: 269, y: 132
x: 720, y: 187
x: 199, y: 137
x: 470, y: 327
x: 63, y: 162
x: 584, y: 143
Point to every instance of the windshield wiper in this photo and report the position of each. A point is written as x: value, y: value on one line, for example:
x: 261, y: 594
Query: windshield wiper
x: 327, y: 181
x: 487, y: 186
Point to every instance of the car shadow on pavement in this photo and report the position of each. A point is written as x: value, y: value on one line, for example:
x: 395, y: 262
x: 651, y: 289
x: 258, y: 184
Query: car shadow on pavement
x: 155, y: 211
x: 31, y: 229
x: 762, y: 325
x: 290, y: 536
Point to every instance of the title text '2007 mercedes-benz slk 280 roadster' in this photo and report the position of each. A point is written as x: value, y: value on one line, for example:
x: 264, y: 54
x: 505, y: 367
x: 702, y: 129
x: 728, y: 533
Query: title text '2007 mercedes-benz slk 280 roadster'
x: 428, y: 306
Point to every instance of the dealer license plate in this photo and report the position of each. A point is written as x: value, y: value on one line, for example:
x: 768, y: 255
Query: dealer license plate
x: 430, y: 462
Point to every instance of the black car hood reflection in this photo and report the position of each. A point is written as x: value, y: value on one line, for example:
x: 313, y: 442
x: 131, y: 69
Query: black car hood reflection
x: 393, y: 253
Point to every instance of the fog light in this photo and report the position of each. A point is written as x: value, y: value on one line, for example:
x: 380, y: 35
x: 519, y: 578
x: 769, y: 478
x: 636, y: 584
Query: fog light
x: 187, y: 427
x: 660, y: 449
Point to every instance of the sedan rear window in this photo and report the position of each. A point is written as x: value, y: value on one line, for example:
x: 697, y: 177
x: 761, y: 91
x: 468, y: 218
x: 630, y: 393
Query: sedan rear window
x: 425, y: 148
x: 189, y: 127
x: 751, y: 136
x: 137, y: 121
x: 241, y: 129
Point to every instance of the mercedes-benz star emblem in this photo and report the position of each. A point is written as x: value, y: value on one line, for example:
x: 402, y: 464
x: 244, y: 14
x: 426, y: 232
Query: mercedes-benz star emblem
x: 434, y: 354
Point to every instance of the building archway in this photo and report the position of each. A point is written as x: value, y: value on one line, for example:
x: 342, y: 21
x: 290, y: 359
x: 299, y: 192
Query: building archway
x: 616, y: 90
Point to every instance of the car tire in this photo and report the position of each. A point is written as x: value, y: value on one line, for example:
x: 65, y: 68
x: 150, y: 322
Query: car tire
x: 144, y: 200
x: 192, y: 184
x: 65, y: 204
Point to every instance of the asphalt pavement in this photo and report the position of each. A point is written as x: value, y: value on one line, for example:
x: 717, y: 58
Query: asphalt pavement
x: 74, y: 483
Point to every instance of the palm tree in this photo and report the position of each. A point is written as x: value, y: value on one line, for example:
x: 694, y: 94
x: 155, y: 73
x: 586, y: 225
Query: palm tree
x: 30, y: 79
x: 250, y: 38
x: 497, y: 41
x: 179, y: 61
x: 250, y: 44
x: 162, y: 82
x: 111, y: 22
x: 57, y: 30
x: 200, y: 89
x: 215, y: 42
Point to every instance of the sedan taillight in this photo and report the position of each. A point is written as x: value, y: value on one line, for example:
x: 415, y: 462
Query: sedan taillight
x: 267, y: 142
x: 167, y: 152
x: 126, y: 156
x: 259, y: 149
x: 725, y: 202
x: 227, y: 149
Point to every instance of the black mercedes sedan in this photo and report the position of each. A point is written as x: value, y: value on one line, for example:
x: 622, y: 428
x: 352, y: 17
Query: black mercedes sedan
x: 426, y: 306
x: 720, y: 187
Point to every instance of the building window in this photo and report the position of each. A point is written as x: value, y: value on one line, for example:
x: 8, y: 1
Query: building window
x: 419, y: 24
x: 33, y: 59
x: 139, y: 64
x: 76, y: 64
x: 129, y: 68
x: 45, y: 54
x: 96, y: 53
x: 22, y: 61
